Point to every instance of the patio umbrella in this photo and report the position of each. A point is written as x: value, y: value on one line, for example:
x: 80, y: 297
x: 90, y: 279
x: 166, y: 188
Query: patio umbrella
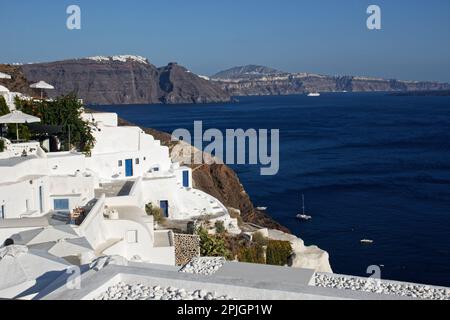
x: 4, y: 76
x: 42, y: 85
x: 18, y: 117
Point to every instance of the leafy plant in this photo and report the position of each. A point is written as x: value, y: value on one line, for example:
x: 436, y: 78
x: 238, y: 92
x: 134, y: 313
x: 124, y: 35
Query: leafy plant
x: 252, y: 254
x: 156, y: 212
x: 212, y: 246
x: 278, y: 252
x: 220, y: 227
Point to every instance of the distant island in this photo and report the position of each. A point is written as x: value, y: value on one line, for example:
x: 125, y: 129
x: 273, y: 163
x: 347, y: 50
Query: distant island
x: 129, y: 79
x: 261, y: 80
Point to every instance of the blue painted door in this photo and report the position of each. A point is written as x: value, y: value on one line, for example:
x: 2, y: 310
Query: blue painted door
x: 186, y: 179
x: 129, y: 167
x: 61, y: 204
x: 164, y: 205
x: 2, y: 212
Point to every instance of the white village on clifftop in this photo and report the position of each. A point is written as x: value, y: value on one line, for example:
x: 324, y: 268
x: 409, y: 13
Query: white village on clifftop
x: 120, y: 222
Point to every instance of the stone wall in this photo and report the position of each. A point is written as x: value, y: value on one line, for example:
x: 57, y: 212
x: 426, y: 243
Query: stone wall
x: 187, y: 247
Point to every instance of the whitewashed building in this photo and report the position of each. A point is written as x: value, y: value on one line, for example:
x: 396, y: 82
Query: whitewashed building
x: 126, y: 170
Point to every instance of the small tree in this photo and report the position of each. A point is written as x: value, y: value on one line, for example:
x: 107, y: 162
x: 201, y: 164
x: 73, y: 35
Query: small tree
x: 64, y: 111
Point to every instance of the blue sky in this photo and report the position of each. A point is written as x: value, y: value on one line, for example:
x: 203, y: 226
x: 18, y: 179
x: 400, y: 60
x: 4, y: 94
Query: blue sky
x: 323, y: 36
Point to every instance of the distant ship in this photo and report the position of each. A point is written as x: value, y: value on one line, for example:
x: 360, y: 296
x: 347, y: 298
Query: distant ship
x: 314, y: 94
x: 366, y: 241
x: 261, y: 208
x: 303, y: 215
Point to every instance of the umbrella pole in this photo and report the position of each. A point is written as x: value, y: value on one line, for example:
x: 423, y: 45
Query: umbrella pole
x: 17, y: 131
x: 42, y: 94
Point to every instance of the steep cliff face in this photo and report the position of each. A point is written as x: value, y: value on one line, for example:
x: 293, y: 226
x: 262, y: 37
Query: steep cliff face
x: 182, y: 86
x: 124, y: 80
x: 258, y: 80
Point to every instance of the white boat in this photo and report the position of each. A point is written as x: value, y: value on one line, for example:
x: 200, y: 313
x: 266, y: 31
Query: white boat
x: 314, y: 94
x: 261, y: 208
x: 366, y: 241
x: 303, y: 215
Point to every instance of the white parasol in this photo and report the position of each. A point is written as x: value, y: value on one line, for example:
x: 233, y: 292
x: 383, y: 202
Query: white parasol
x: 43, y: 86
x: 18, y: 117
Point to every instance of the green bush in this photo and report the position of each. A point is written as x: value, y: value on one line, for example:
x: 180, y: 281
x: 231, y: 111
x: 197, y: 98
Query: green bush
x: 220, y: 227
x: 156, y: 212
x: 2, y: 145
x: 252, y: 254
x: 212, y: 246
x: 64, y: 111
x: 278, y: 252
x: 259, y: 238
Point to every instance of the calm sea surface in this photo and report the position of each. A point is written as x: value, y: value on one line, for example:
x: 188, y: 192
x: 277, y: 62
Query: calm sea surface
x: 370, y: 166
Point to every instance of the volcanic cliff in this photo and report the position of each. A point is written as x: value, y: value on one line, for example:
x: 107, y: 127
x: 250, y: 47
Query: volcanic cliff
x: 124, y: 80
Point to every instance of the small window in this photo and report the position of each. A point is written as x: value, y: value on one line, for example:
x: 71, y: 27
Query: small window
x: 132, y: 236
x: 137, y: 160
x: 145, y: 158
x: 156, y: 169
x: 120, y: 163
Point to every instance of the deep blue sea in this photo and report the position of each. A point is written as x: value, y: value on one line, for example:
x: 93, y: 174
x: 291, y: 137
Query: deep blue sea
x: 370, y: 166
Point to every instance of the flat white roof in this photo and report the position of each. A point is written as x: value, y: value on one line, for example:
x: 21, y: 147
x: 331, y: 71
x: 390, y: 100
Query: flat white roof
x: 11, y: 162
x: 38, y: 222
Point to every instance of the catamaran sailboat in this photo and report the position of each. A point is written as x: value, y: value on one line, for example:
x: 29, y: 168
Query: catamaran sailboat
x: 303, y: 215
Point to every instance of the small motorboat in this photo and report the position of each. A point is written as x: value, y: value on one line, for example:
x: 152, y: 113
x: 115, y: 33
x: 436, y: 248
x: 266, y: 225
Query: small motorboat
x: 303, y: 215
x: 366, y: 241
x: 314, y: 94
x: 261, y: 208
